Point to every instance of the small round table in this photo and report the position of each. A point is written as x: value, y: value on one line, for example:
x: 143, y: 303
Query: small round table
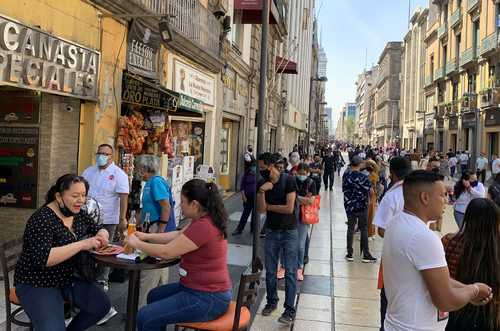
x: 134, y: 284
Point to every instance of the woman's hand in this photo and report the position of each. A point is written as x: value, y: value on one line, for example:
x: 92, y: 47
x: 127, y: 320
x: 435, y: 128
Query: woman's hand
x: 141, y: 235
x: 90, y: 244
x: 103, y: 237
x: 132, y: 240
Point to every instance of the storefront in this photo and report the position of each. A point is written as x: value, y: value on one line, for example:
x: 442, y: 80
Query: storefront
x: 41, y: 93
x: 453, y: 133
x: 440, y: 135
x: 429, y: 132
x: 492, y: 130
x: 468, y: 132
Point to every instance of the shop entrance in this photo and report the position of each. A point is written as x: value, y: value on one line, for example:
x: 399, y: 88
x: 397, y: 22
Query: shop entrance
x: 453, y: 142
x: 228, y: 170
x: 441, y: 141
x: 468, y: 136
x: 492, y: 144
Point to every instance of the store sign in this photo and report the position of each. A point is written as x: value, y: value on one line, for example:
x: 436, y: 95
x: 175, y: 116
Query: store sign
x: 194, y: 83
x: 248, y: 4
x: 139, y: 92
x: 191, y: 104
x: 492, y: 117
x: 429, y: 122
x: 142, y: 51
x: 18, y: 167
x: 469, y: 120
x: 33, y: 59
x: 453, y: 123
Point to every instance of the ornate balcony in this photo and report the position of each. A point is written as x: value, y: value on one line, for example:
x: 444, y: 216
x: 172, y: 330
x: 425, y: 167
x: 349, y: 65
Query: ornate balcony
x: 467, y: 56
x: 439, y: 73
x: 472, y: 4
x: 490, y: 97
x: 469, y: 102
x: 440, y: 110
x: 489, y: 43
x: 428, y: 80
x: 442, y: 30
x: 451, y: 66
x: 456, y: 17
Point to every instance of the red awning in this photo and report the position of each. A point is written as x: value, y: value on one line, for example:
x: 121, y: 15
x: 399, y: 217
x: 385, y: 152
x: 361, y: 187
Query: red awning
x: 285, y: 66
x: 251, y: 11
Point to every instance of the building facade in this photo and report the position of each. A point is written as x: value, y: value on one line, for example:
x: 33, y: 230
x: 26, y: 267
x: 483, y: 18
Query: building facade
x: 412, y: 83
x: 386, y: 116
x: 365, y: 86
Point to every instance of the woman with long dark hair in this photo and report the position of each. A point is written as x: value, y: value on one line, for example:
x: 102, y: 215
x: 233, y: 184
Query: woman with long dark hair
x: 473, y: 255
x: 45, y: 272
x: 204, y: 290
x: 466, y: 189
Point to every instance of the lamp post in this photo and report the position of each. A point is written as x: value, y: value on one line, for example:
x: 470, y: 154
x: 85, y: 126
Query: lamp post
x: 313, y: 79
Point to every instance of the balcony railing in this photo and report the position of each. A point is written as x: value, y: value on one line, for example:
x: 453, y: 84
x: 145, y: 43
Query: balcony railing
x: 471, y: 4
x: 192, y: 21
x: 439, y: 73
x: 468, y: 55
x: 440, y: 110
x: 490, y: 97
x: 442, y: 30
x: 456, y: 17
x: 451, y: 66
x: 469, y: 102
x: 428, y: 80
x: 489, y: 43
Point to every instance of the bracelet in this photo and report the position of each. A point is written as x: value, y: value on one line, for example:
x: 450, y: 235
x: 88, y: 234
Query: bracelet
x: 476, y: 291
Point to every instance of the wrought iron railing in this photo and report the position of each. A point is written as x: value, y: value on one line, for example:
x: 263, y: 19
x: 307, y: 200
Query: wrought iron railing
x: 468, y: 55
x: 456, y: 17
x: 489, y: 43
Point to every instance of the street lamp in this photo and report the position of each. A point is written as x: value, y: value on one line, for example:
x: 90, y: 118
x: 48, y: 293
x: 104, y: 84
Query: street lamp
x: 163, y: 26
x: 313, y: 79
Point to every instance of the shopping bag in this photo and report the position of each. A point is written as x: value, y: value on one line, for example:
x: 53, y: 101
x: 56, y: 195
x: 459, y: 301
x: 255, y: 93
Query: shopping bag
x: 310, y: 213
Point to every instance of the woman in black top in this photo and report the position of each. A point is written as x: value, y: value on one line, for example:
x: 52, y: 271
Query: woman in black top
x: 44, y: 276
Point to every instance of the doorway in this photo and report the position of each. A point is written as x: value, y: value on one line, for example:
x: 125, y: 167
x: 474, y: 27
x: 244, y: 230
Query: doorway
x: 453, y: 142
x: 492, y: 144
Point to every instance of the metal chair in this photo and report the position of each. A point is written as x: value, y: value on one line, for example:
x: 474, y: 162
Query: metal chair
x: 9, y: 253
x: 238, y: 315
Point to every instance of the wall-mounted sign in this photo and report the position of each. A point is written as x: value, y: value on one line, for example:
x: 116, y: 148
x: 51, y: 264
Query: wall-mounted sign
x: 19, y: 106
x: 190, y: 104
x: 453, y: 123
x: 18, y: 167
x: 142, y: 51
x: 429, y: 122
x: 33, y: 59
x: 469, y: 120
x: 142, y: 93
x: 492, y: 117
x: 192, y: 82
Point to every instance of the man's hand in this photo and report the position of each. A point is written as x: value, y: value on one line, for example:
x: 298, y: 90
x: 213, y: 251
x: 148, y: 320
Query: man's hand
x: 132, y: 240
x: 266, y: 187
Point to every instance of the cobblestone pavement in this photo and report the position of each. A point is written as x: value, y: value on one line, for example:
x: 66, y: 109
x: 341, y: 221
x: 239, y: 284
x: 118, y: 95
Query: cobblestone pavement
x: 335, y: 294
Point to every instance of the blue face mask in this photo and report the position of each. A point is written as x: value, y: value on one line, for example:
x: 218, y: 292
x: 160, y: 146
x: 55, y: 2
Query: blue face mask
x: 253, y: 169
x: 301, y: 177
x: 101, y: 160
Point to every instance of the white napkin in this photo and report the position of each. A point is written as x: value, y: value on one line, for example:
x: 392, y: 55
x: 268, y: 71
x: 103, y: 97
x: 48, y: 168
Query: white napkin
x: 131, y: 256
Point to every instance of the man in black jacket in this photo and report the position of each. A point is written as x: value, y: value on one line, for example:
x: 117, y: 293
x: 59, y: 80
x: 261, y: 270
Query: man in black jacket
x: 328, y: 169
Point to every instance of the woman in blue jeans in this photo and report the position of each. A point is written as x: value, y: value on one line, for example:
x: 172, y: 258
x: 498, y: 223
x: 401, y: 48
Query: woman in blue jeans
x: 204, y: 290
x: 44, y: 276
x: 305, y: 196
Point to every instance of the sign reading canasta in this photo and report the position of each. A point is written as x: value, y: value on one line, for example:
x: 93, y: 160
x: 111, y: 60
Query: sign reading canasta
x: 34, y: 59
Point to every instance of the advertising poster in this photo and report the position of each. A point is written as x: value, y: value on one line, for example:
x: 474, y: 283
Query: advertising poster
x: 176, y: 189
x: 188, y: 168
x: 18, y: 167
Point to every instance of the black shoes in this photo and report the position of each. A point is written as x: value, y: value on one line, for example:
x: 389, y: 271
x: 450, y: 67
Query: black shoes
x: 368, y: 259
x: 287, y: 318
x: 268, y: 309
x: 236, y: 232
x: 349, y: 257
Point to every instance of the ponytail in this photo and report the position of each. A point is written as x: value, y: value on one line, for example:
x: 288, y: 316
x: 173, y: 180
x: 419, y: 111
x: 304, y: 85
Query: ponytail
x: 208, y: 196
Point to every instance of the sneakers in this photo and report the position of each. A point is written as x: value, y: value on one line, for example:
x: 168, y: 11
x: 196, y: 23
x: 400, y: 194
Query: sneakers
x: 300, y: 275
x: 349, y: 257
x: 268, y: 309
x: 236, y: 232
x: 287, y: 318
x: 369, y: 259
x: 104, y: 284
x: 111, y: 313
x: 281, y: 273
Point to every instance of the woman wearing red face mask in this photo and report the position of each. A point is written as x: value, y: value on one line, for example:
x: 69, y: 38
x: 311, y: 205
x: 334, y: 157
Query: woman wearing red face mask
x: 45, y: 272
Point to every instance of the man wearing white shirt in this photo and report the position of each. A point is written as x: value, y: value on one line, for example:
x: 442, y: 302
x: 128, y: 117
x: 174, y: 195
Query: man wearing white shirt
x: 495, y: 165
x: 389, y: 206
x: 481, y: 166
x: 416, y: 276
x: 453, y: 165
x: 464, y: 161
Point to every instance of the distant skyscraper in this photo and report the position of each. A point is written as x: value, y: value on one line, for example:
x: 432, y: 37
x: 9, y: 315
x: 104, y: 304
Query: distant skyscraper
x: 329, y: 117
x: 322, y: 61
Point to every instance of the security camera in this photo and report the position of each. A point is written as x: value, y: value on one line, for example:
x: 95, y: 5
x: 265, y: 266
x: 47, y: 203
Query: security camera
x: 69, y: 108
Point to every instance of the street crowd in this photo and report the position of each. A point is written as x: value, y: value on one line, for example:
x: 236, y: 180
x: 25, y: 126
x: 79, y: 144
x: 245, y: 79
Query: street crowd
x: 395, y: 194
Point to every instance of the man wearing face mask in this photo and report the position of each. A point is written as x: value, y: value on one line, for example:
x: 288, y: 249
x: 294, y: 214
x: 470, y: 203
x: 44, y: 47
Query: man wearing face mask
x: 276, y: 197
x: 329, y: 169
x: 109, y: 185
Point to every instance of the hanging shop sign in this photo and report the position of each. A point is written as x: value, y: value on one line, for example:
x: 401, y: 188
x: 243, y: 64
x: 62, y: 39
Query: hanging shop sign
x: 142, y: 51
x: 492, y: 117
x: 18, y: 166
x: 190, y: 104
x: 469, y: 120
x: 192, y: 82
x: 33, y: 59
x: 139, y: 92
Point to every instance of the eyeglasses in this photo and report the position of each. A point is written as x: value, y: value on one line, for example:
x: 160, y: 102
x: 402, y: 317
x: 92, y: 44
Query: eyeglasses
x: 107, y: 154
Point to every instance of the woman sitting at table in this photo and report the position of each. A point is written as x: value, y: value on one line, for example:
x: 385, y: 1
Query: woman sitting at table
x: 204, y: 290
x: 44, y: 275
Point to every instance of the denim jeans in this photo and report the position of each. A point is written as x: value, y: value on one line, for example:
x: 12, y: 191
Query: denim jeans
x: 361, y: 218
x: 275, y: 241
x: 247, y: 211
x: 303, y: 230
x: 459, y: 218
x: 452, y: 171
x: 45, y: 305
x: 174, y: 303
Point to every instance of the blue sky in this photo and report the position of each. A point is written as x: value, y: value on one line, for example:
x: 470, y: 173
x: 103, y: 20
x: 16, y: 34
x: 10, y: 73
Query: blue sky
x: 348, y: 28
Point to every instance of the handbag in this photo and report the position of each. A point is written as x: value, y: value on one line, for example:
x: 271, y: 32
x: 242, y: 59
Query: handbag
x: 310, y: 213
x: 86, y: 267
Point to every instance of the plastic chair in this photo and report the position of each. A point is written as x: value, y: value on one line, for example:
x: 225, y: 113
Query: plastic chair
x: 238, y: 315
x: 9, y: 253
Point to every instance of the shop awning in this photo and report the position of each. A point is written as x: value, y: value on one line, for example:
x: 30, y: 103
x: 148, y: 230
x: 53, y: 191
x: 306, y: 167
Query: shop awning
x: 251, y: 11
x: 285, y: 66
x: 190, y: 104
x: 140, y: 92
